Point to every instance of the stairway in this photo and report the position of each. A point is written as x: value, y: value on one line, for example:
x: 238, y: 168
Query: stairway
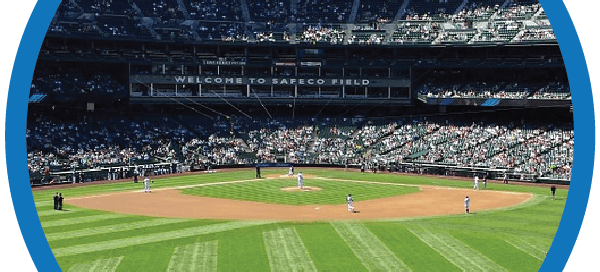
x: 245, y: 11
x: 401, y: 11
x: 352, y: 16
x: 183, y: 9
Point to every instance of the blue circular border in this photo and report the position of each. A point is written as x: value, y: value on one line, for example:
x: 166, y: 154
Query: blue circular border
x: 16, y: 119
x: 583, y: 116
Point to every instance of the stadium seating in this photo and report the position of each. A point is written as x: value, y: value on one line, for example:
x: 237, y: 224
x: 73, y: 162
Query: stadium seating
x: 250, y: 21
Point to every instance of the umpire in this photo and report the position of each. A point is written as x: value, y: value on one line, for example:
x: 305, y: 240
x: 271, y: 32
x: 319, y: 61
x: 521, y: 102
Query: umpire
x: 258, y: 171
x: 55, y: 198
x: 60, y: 201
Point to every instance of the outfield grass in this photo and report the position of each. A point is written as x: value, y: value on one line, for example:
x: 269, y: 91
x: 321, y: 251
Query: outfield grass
x: 513, y: 239
x: 331, y: 193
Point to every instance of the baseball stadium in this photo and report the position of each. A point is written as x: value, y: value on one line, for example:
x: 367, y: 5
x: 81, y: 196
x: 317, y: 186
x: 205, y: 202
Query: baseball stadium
x: 301, y: 135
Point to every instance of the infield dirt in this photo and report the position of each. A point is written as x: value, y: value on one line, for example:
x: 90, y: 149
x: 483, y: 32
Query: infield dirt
x: 431, y: 201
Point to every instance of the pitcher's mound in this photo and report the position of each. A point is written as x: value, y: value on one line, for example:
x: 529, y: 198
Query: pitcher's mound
x: 286, y: 176
x: 305, y: 189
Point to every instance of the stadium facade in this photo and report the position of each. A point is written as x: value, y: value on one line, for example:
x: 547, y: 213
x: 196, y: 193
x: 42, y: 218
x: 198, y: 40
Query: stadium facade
x: 401, y: 86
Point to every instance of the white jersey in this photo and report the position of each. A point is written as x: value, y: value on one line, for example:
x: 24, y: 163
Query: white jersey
x: 300, y: 181
x: 350, y: 201
x: 291, y: 171
x: 467, y: 202
x: 146, y: 185
x: 476, y: 179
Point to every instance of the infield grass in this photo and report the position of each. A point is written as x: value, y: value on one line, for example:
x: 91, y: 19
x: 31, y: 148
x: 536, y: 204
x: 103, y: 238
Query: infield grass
x: 513, y: 239
x: 331, y: 193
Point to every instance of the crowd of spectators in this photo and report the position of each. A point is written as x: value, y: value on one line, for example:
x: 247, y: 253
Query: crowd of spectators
x: 269, y: 10
x: 288, y: 140
x: 320, y: 34
x: 106, y: 142
x: 553, y: 90
x: 214, y: 10
x: 327, y: 11
x: 255, y: 21
x: 75, y: 82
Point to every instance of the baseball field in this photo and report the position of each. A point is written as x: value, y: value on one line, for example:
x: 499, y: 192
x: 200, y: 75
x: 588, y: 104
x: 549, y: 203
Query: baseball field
x: 230, y: 221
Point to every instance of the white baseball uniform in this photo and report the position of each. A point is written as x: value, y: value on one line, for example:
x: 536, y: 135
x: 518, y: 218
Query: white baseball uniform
x: 467, y: 202
x: 476, y: 185
x: 291, y: 171
x: 350, y: 203
x: 300, y: 181
x: 147, y: 185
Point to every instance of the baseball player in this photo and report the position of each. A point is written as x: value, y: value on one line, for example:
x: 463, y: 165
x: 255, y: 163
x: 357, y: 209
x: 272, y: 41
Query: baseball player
x: 505, y: 179
x: 484, y: 181
x: 467, y: 203
x: 300, y: 181
x: 147, y: 185
x: 291, y: 171
x: 350, y: 202
x: 553, y: 191
x: 476, y: 183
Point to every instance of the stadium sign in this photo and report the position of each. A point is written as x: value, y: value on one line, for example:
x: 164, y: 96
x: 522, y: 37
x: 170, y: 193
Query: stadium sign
x: 223, y: 63
x: 269, y: 81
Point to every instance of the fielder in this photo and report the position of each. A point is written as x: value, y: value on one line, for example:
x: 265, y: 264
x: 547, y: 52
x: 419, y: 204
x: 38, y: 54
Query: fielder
x: 467, y: 203
x: 291, y: 171
x: 350, y: 202
x: 476, y: 183
x: 300, y: 181
x: 147, y: 185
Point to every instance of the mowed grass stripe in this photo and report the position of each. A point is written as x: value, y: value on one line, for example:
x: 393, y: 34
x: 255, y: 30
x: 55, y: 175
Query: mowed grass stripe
x: 112, y: 228
x: 286, y: 252
x: 327, y: 249
x: 243, y: 249
x: 415, y: 253
x: 108, y: 222
x: 59, y: 212
x: 44, y: 203
x: 129, y: 234
x: 372, y: 252
x: 101, y: 265
x: 455, y: 251
x: 58, y: 215
x: 195, y: 257
x: 536, y: 251
x: 156, y: 237
x: 498, y: 250
x: 83, y: 219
